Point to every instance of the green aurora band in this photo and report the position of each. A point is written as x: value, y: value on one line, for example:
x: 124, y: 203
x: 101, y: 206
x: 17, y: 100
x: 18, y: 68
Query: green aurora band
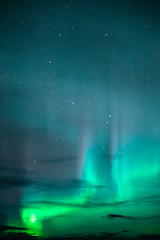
x: 133, y: 172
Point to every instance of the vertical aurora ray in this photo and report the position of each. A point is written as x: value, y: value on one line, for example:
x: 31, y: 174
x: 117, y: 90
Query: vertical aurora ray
x: 137, y: 168
x: 136, y: 157
x: 88, y: 166
x: 89, y: 174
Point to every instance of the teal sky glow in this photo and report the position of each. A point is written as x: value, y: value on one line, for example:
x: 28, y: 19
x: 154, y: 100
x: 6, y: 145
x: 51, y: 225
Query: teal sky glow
x: 80, y: 117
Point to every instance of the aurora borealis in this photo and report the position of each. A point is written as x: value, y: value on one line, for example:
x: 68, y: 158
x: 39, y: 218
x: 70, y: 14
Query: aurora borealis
x: 80, y: 117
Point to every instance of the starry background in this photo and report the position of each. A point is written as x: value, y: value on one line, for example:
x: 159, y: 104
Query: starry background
x: 79, y: 116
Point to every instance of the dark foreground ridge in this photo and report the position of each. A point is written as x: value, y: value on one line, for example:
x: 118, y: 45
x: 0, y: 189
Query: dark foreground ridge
x: 105, y: 236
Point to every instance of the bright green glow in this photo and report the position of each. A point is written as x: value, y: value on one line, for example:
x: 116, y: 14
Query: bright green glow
x: 33, y: 218
x: 40, y: 212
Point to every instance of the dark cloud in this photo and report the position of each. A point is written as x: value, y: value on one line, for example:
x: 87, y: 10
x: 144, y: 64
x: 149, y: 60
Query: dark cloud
x: 54, y: 203
x: 66, y: 184
x: 59, y: 160
x: 12, y: 170
x: 77, y: 205
x: 114, y: 216
x: 7, y: 182
x: 151, y: 200
x: 14, y: 206
x: 63, y: 216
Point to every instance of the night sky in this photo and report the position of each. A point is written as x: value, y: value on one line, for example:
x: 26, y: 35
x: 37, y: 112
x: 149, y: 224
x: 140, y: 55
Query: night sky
x: 80, y: 116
